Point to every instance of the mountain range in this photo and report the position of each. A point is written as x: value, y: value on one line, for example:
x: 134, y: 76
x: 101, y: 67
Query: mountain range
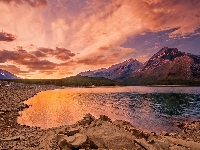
x: 115, y: 72
x: 168, y: 66
x: 7, y: 75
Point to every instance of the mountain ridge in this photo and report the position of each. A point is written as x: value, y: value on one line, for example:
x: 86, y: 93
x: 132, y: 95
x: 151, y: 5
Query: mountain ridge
x: 7, y: 75
x: 168, y: 65
x: 115, y: 72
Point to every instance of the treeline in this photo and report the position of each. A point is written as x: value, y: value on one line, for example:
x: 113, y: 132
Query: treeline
x: 73, y: 81
x: 154, y: 81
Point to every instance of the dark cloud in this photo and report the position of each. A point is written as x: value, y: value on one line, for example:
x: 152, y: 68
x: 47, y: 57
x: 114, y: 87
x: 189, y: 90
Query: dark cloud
x: 22, y: 57
x: 40, y: 64
x: 35, y: 60
x: 32, y: 3
x: 7, y: 37
x: 104, y: 48
x: 59, y: 53
x: 39, y: 54
x: 13, y: 69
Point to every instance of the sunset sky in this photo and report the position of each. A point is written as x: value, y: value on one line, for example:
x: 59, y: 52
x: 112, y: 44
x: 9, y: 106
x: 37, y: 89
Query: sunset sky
x: 60, y: 38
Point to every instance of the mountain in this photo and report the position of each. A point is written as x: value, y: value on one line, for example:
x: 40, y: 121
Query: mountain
x: 7, y: 75
x: 168, y: 65
x: 115, y: 72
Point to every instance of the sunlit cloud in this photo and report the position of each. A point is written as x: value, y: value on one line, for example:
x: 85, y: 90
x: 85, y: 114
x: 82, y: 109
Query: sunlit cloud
x: 33, y: 3
x: 90, y: 35
x: 7, y: 37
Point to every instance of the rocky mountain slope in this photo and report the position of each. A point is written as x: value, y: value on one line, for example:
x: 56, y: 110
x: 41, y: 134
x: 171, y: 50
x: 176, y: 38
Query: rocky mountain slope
x: 170, y: 64
x: 7, y: 75
x: 115, y: 72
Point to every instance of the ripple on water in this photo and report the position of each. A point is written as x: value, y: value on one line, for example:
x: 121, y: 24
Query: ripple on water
x: 149, y: 108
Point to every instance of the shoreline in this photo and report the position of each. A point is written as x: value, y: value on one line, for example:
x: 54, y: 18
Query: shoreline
x: 102, y: 133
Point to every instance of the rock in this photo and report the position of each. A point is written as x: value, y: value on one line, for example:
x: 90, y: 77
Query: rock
x: 109, y: 136
x: 172, y: 134
x: 105, y: 118
x: 75, y: 141
x: 71, y: 131
x: 144, y: 144
x: 161, y: 144
x: 139, y: 134
x: 78, y: 140
x: 123, y: 124
x: 175, y: 147
x: 189, y: 144
x: 15, y: 138
x: 164, y: 133
x: 87, y: 120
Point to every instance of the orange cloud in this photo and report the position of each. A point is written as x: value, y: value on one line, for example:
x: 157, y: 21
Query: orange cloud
x: 96, y: 32
x: 13, y: 69
x: 7, y: 37
x: 59, y: 53
x: 31, y: 59
x: 33, y: 3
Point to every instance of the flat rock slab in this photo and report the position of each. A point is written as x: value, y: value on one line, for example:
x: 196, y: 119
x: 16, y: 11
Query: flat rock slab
x: 106, y: 135
x: 189, y: 144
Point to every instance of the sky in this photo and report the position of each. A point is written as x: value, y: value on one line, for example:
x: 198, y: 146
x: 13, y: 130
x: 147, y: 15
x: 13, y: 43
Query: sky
x: 61, y: 38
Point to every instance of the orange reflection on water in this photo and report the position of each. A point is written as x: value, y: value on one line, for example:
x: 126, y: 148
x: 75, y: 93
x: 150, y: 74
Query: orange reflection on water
x: 63, y: 107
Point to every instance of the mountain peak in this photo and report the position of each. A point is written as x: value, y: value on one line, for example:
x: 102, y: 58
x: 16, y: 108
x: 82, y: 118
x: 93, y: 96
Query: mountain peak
x: 165, y: 54
x: 7, y: 75
x: 117, y: 71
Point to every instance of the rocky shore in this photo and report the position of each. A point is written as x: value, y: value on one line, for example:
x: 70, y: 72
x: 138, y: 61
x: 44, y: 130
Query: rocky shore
x: 88, y: 133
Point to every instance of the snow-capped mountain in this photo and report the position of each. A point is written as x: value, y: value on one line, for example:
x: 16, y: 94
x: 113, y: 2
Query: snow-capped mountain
x: 115, y: 72
x: 7, y: 75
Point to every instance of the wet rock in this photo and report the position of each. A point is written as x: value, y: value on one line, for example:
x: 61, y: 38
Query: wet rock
x: 87, y: 120
x: 105, y: 118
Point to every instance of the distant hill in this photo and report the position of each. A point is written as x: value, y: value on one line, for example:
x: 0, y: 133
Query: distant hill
x: 73, y: 81
x: 7, y: 75
x: 168, y: 66
x: 115, y: 72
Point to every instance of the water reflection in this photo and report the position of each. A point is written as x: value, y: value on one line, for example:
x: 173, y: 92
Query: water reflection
x: 149, y: 108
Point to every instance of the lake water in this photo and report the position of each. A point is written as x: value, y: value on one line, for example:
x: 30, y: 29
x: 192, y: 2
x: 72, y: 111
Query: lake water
x: 149, y: 108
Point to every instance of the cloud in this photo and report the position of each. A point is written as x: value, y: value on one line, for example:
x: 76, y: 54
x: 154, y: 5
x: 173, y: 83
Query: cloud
x: 100, y: 60
x: 59, y: 53
x: 97, y: 33
x: 104, y: 48
x: 59, y: 28
x: 39, y: 62
x: 105, y: 23
x: 6, y: 37
x: 13, y: 69
x: 32, y: 3
x: 22, y: 57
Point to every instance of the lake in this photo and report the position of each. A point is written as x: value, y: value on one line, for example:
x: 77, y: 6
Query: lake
x: 149, y: 108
